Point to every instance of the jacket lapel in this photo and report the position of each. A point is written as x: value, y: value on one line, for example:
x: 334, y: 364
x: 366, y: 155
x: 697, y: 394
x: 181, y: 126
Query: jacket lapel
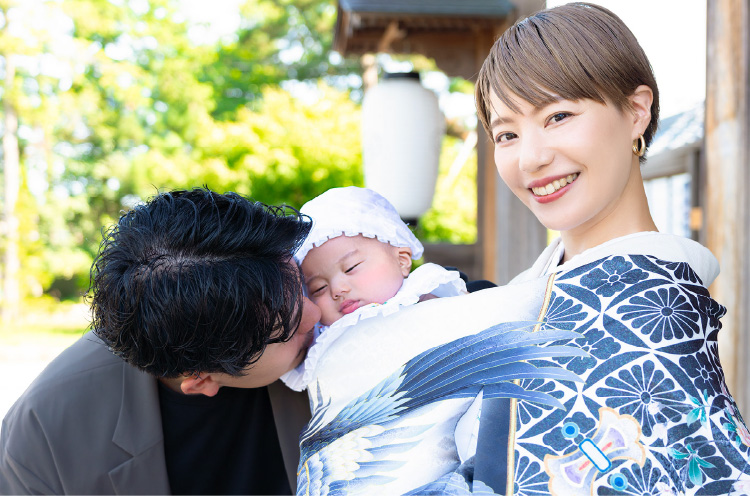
x: 142, y: 474
x: 139, y: 433
x: 291, y: 412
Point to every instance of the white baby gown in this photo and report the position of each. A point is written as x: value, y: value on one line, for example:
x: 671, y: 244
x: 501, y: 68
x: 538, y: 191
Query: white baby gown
x: 428, y: 278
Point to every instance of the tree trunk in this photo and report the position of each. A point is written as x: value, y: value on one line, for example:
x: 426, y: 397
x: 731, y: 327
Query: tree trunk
x: 11, y: 180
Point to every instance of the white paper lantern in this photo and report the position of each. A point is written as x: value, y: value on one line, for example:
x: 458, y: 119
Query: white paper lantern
x: 402, y: 130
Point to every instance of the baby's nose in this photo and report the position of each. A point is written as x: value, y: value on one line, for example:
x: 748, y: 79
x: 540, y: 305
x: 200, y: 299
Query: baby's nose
x: 339, y: 288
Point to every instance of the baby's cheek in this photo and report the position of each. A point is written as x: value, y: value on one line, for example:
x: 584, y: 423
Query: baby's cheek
x: 393, y: 286
x: 328, y: 319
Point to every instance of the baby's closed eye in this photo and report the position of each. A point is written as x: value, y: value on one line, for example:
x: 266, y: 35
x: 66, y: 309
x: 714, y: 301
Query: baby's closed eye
x: 352, y: 267
x: 316, y: 290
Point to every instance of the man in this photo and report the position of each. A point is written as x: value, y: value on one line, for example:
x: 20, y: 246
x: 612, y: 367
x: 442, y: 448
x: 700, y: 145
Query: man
x: 197, y: 311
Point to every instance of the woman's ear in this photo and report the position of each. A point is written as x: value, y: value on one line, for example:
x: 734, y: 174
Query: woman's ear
x: 404, y: 259
x: 640, y: 103
x: 200, y: 384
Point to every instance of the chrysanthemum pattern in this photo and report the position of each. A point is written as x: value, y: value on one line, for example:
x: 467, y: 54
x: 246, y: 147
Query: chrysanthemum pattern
x: 641, y: 481
x: 530, y: 479
x: 632, y: 392
x: 613, y: 276
x: 563, y: 313
x: 662, y: 314
x: 702, y: 370
x: 649, y: 327
x: 682, y: 271
x: 598, y: 344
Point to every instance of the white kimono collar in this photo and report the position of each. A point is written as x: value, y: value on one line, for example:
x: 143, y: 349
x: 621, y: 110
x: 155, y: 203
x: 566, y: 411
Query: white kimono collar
x: 663, y: 246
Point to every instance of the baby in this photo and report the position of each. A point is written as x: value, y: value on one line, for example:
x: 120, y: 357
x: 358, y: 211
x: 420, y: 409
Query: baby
x: 356, y: 263
x: 396, y: 389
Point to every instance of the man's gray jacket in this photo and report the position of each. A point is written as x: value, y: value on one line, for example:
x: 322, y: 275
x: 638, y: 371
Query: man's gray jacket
x: 91, y: 424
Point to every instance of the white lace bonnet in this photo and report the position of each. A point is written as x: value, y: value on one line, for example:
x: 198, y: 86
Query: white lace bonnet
x: 352, y: 211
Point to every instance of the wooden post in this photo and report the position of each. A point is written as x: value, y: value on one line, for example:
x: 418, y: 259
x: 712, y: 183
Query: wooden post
x: 369, y: 71
x: 520, y: 236
x: 487, y: 222
x: 727, y: 211
x: 510, y: 237
x: 486, y: 183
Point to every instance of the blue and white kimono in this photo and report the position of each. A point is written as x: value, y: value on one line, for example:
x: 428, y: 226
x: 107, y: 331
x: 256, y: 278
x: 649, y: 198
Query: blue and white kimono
x: 597, y: 376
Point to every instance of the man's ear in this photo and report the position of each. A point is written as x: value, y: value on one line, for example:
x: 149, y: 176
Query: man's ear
x: 404, y: 259
x: 640, y: 102
x: 200, y: 384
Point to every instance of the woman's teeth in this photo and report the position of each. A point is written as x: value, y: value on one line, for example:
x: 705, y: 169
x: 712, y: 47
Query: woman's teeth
x: 554, y: 185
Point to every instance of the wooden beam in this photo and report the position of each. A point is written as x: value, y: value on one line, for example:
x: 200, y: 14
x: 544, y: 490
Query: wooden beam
x: 391, y: 34
x: 449, y: 49
x: 342, y: 30
x: 727, y: 206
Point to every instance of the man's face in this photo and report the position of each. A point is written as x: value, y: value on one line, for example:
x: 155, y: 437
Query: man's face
x: 279, y: 358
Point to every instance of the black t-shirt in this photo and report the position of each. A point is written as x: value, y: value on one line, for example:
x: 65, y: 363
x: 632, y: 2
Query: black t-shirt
x: 225, y: 444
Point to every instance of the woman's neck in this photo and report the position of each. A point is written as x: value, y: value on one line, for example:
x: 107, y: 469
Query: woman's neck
x: 631, y: 215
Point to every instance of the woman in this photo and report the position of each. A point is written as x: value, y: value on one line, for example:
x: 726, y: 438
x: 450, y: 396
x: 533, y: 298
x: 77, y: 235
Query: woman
x: 615, y: 387
x: 570, y: 101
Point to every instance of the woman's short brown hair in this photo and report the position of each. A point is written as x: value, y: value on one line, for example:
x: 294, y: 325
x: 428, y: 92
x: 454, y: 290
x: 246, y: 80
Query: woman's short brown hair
x: 573, y: 51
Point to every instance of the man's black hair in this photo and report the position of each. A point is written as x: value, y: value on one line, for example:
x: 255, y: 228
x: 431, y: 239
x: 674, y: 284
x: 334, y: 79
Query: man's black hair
x: 196, y: 281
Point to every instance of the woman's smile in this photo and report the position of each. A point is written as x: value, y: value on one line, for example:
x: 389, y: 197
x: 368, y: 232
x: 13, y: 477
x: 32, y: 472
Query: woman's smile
x: 547, y: 190
x: 571, y: 162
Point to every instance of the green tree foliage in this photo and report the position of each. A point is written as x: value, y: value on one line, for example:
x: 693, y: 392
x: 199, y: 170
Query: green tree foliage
x: 136, y: 92
x: 28, y: 43
x: 278, y: 40
x: 453, y: 216
x: 115, y: 103
x: 147, y: 104
x: 287, y: 151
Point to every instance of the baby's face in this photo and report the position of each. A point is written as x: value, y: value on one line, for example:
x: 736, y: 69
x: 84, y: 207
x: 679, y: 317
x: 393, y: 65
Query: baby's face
x: 346, y: 273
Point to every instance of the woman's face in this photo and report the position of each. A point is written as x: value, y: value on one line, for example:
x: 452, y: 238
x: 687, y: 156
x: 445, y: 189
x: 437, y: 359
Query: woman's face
x: 571, y: 162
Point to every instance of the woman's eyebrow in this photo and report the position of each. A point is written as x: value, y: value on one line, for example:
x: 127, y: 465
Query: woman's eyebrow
x: 499, y: 120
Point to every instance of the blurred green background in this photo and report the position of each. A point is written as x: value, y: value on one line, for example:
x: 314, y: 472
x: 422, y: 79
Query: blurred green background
x: 107, y: 102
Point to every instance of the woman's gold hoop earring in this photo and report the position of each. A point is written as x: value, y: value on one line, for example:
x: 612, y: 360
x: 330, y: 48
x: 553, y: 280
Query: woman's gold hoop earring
x: 639, y: 146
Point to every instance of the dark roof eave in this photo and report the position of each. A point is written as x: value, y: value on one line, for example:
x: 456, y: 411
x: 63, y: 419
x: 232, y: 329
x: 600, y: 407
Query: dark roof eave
x: 464, y: 8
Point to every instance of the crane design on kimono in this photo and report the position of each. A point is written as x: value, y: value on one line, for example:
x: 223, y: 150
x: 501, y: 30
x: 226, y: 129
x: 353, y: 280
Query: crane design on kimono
x: 351, y: 452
